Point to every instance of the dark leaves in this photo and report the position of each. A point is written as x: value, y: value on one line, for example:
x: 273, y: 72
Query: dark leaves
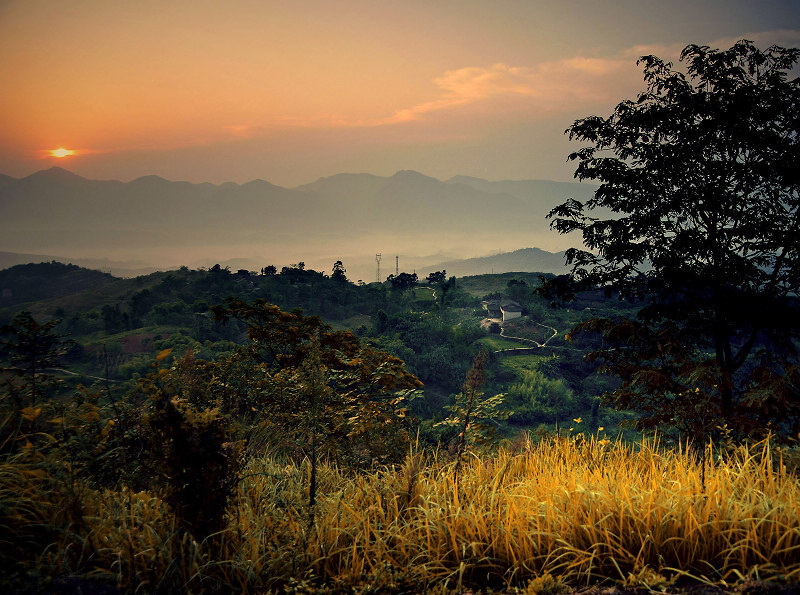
x: 700, y: 204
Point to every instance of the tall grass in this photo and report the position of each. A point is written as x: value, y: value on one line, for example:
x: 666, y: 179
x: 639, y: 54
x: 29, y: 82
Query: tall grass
x: 584, y: 510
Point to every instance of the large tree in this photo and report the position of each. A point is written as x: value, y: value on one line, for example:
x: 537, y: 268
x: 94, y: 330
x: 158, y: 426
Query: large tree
x: 312, y: 385
x: 697, y: 214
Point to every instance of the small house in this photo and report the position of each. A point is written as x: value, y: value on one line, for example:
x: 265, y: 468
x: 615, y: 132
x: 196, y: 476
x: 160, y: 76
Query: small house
x: 504, y: 309
x: 510, y: 309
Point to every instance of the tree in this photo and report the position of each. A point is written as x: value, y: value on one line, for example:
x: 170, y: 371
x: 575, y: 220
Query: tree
x: 698, y: 199
x: 402, y: 281
x: 31, y: 348
x: 192, y: 459
x: 359, y: 419
x: 436, y: 277
x: 339, y: 272
x: 518, y: 290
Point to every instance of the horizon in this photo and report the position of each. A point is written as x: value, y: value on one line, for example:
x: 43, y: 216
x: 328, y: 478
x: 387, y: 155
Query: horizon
x: 333, y: 175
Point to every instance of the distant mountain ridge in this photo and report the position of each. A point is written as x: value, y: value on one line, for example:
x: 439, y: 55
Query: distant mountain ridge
x: 347, y: 216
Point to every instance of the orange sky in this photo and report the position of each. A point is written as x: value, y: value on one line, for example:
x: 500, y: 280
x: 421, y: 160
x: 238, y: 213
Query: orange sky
x: 289, y: 91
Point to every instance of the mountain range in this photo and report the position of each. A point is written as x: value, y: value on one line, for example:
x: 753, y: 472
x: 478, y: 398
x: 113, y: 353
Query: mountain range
x: 416, y: 222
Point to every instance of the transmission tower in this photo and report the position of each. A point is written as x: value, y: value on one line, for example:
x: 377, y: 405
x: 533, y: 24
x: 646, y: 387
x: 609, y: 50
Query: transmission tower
x: 378, y: 272
x: 396, y: 265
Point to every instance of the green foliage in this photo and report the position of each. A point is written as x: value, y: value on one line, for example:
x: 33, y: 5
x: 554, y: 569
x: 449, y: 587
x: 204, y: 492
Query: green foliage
x: 363, y: 417
x: 434, y: 349
x: 701, y: 175
x: 402, y: 281
x: 537, y: 398
x: 34, y: 282
x: 436, y: 277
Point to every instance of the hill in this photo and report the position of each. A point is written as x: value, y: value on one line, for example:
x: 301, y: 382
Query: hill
x: 118, y: 268
x: 526, y: 260
x: 33, y: 282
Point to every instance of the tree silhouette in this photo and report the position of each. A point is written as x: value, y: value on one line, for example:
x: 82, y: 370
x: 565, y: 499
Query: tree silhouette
x: 339, y: 271
x: 698, y: 216
x: 402, y: 281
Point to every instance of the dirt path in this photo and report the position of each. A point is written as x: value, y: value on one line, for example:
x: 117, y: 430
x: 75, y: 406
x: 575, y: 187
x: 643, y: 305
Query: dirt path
x: 555, y: 333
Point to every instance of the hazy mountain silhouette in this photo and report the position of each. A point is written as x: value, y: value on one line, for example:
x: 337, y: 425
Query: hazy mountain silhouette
x: 346, y: 216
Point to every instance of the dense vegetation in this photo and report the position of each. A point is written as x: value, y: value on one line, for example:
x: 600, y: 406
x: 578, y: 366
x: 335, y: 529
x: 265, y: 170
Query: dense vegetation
x: 288, y: 430
x: 265, y: 449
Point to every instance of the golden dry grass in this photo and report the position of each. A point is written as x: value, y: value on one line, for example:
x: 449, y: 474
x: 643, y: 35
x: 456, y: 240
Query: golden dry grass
x: 582, y: 510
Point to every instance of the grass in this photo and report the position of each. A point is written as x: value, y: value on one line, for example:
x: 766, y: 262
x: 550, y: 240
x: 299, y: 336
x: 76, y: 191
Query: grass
x: 581, y: 509
x: 496, y: 342
x: 525, y: 361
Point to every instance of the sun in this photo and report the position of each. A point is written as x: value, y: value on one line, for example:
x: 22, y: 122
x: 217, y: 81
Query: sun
x: 61, y: 152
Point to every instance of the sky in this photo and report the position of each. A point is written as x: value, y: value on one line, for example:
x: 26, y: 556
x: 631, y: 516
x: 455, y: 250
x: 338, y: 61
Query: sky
x: 292, y: 90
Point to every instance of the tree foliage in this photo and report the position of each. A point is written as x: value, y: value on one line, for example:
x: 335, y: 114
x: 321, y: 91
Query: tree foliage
x: 359, y: 419
x: 339, y: 271
x: 436, y: 277
x: 402, y: 281
x: 189, y: 447
x: 697, y: 214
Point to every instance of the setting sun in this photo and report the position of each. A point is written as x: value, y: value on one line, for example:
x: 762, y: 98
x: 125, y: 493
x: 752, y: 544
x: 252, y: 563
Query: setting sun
x: 61, y: 152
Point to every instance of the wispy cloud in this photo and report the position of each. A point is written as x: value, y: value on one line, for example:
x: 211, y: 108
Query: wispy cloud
x: 558, y: 85
x: 550, y: 86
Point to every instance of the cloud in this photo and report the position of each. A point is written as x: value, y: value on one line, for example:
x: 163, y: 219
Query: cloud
x: 550, y: 86
x: 561, y: 86
x: 477, y: 83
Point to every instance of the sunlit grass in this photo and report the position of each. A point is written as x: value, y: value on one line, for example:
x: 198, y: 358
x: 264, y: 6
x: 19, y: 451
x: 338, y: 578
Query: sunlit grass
x: 584, y: 510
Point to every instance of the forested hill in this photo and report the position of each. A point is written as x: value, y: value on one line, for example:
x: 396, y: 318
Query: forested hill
x: 525, y: 260
x: 34, y: 282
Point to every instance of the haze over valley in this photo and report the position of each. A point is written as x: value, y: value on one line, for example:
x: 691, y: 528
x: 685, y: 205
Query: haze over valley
x: 153, y: 223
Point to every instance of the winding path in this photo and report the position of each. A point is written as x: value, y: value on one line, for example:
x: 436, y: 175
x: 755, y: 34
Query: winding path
x: 521, y: 350
x: 555, y: 333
